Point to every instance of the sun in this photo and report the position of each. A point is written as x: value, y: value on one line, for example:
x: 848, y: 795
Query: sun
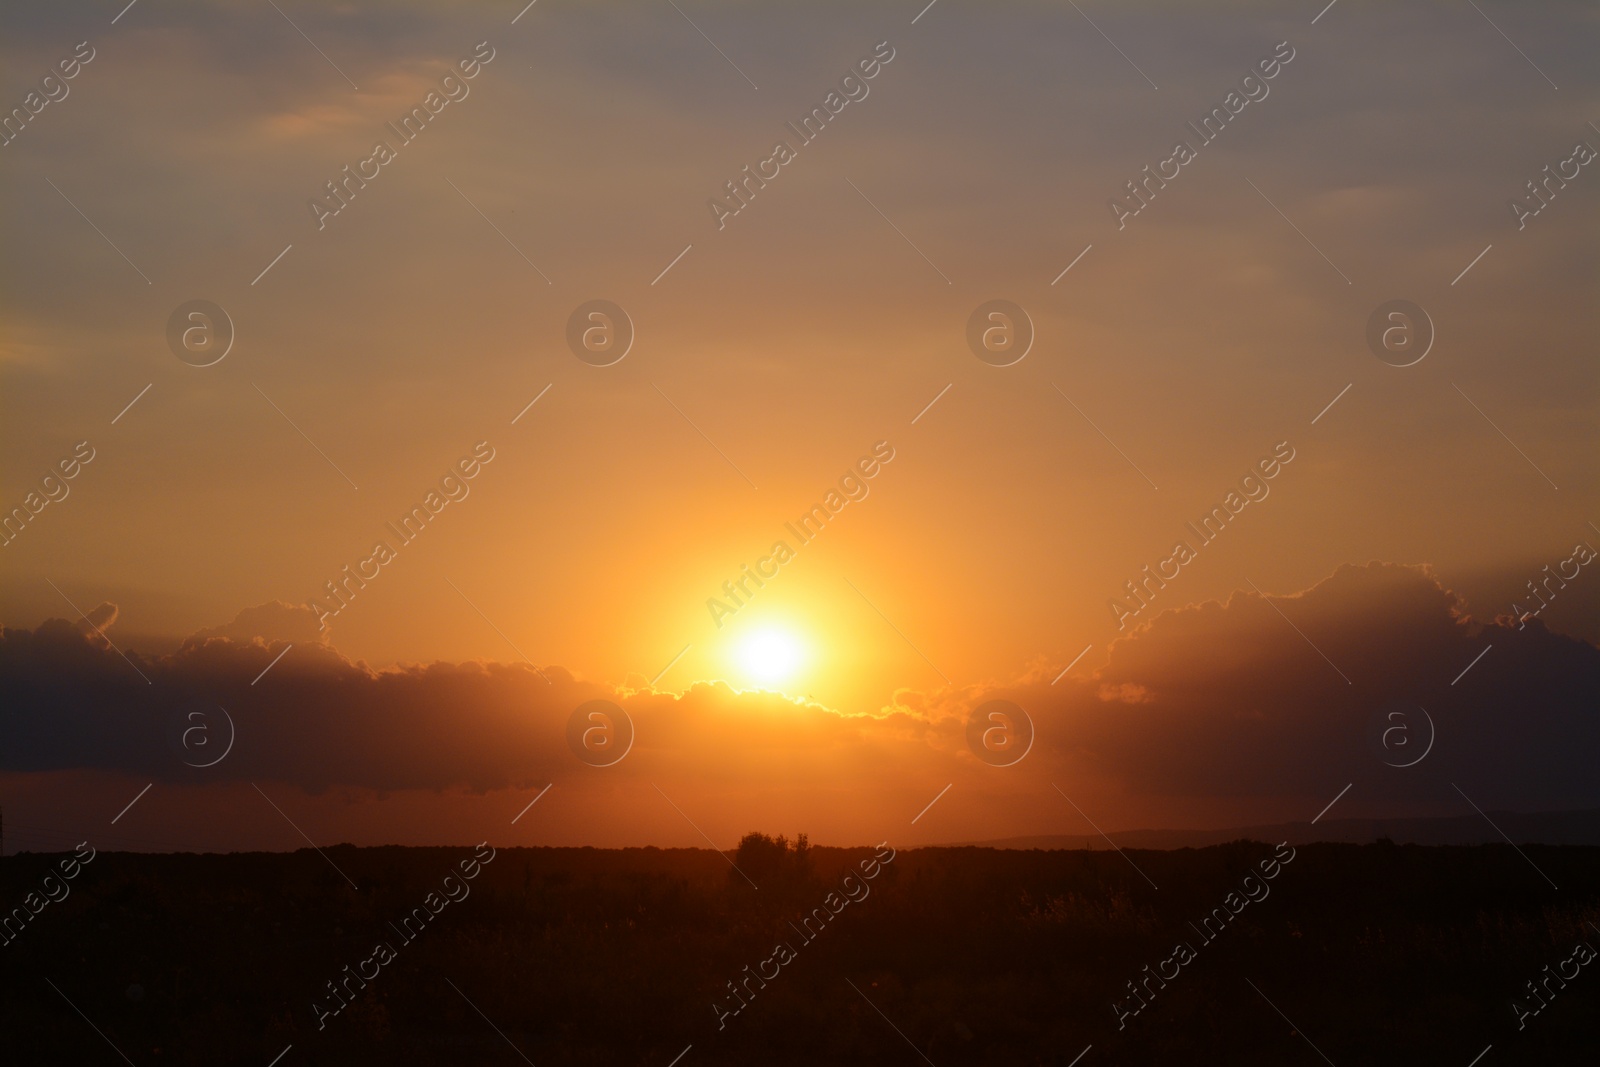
x: 770, y: 654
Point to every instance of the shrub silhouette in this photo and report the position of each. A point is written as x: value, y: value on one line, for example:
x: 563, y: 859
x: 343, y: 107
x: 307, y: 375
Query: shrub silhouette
x: 774, y: 861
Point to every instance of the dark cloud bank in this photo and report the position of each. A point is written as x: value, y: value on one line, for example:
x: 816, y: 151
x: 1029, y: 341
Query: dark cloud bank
x: 1211, y: 700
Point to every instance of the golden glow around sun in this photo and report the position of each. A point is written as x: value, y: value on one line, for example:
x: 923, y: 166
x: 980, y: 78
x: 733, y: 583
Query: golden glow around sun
x: 770, y: 655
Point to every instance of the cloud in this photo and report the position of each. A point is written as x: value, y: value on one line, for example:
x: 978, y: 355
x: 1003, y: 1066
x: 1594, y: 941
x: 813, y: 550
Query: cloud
x: 320, y: 720
x: 99, y: 619
x: 269, y: 623
x: 1207, y: 701
x: 1263, y: 695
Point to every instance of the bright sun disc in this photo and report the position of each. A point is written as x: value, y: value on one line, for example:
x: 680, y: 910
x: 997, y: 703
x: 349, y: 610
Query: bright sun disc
x: 770, y: 655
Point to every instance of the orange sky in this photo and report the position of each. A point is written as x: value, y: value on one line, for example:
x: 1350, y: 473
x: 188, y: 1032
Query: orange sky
x: 379, y: 350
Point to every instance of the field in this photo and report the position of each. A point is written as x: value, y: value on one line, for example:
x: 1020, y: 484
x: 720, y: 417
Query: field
x: 1382, y: 953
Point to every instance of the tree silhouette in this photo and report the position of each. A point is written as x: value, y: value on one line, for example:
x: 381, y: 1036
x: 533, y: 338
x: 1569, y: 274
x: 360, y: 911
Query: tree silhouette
x: 773, y: 861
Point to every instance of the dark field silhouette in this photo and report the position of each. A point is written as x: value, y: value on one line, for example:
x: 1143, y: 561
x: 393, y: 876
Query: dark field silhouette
x: 1381, y: 953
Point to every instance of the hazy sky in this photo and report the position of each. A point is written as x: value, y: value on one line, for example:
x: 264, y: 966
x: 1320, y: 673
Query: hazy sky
x: 376, y: 348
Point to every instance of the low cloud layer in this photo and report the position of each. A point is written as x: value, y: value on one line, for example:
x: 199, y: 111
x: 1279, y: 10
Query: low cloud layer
x: 1248, y: 699
x: 1259, y: 697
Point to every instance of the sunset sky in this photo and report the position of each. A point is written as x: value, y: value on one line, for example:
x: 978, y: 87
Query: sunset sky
x: 409, y: 332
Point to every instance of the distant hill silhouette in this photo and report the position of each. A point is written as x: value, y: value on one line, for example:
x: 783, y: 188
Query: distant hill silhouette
x: 1543, y: 827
